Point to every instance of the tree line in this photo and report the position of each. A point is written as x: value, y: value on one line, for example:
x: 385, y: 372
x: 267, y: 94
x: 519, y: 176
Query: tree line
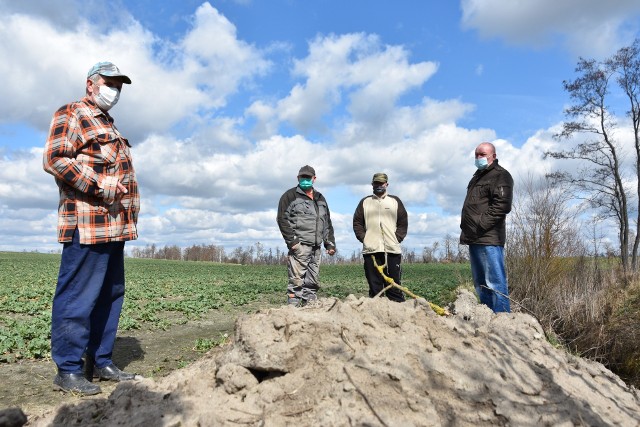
x: 607, y: 178
x: 446, y: 251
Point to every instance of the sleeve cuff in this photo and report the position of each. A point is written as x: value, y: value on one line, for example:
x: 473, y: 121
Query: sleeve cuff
x: 109, y: 185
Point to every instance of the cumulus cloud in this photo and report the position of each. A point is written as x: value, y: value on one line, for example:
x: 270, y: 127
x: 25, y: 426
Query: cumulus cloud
x: 590, y: 28
x: 20, y: 173
x: 172, y: 82
x: 209, y: 175
x: 357, y: 66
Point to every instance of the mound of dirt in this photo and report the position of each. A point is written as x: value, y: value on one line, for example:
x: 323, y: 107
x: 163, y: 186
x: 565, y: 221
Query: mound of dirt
x: 373, y: 362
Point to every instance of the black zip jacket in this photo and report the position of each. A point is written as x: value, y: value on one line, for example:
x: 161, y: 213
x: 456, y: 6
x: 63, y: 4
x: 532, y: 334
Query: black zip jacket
x: 488, y: 201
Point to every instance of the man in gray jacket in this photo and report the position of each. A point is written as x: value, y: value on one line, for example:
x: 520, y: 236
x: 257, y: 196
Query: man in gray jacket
x: 305, y: 222
x: 483, y: 219
x: 380, y: 222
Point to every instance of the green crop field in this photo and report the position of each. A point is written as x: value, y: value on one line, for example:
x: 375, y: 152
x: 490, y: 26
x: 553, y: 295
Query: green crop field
x: 163, y: 293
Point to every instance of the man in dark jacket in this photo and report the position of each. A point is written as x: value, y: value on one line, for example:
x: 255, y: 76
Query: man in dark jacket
x: 305, y: 222
x: 488, y: 201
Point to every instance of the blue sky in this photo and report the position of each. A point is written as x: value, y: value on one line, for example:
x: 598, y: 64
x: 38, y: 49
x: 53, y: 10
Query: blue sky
x: 229, y: 98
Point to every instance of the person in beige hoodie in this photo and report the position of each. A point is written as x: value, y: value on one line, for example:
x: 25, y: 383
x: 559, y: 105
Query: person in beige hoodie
x: 380, y: 222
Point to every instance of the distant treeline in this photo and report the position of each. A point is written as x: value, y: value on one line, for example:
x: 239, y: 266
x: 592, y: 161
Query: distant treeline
x: 446, y: 251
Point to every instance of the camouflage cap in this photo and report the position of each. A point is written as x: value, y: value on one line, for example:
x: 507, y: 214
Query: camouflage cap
x: 380, y: 177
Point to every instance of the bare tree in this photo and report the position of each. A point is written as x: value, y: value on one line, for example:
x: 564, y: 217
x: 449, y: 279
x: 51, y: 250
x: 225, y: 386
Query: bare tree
x: 542, y: 224
x: 543, y: 242
x: 627, y: 64
x: 408, y: 255
x: 430, y: 253
x: 451, y: 245
x: 600, y: 183
x: 259, y: 256
x: 463, y: 253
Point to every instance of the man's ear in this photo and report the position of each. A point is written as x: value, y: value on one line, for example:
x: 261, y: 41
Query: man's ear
x: 89, y: 86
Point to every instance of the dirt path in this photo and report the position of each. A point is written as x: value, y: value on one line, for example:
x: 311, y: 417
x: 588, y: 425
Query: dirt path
x: 151, y: 353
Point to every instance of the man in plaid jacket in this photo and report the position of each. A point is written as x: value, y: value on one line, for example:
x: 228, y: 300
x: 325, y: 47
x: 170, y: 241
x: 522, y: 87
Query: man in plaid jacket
x: 97, y: 213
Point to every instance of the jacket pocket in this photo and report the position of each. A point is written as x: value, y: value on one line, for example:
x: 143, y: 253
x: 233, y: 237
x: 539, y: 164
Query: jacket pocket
x: 108, y: 147
x: 482, y: 191
x: 470, y: 226
x: 372, y: 242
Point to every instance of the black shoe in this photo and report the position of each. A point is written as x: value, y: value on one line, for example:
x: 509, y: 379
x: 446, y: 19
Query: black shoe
x: 75, y: 383
x: 293, y: 300
x: 111, y: 372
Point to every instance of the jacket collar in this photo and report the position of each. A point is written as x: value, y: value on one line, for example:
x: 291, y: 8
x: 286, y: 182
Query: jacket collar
x: 95, y: 110
x: 480, y: 172
x: 300, y: 190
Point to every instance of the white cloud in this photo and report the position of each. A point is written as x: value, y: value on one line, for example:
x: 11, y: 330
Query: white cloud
x: 20, y: 173
x: 590, y: 28
x: 204, y: 68
x: 356, y: 66
x: 214, y: 176
x: 214, y: 57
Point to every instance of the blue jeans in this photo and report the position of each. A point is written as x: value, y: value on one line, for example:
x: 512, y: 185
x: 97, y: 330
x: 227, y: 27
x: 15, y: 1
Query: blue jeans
x: 87, y: 304
x: 489, y: 276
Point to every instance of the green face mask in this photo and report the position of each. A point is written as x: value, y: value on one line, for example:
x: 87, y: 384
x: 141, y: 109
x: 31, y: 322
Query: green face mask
x: 305, y: 183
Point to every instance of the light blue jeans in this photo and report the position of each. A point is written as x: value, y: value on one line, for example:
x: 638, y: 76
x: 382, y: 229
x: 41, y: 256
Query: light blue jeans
x: 489, y: 276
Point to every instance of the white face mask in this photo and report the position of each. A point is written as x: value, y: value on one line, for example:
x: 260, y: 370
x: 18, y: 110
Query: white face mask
x: 106, y: 97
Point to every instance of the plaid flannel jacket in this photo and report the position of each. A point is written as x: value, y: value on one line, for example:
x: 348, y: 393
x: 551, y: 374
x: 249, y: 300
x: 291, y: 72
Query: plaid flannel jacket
x: 88, y: 156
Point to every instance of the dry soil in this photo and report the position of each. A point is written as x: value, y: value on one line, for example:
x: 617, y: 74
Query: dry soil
x: 367, y: 362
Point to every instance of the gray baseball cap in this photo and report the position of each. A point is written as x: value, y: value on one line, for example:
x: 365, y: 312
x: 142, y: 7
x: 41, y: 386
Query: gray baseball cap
x: 108, y: 69
x: 307, y: 170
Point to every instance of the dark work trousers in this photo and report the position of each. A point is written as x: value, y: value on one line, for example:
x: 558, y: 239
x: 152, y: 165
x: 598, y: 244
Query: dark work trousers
x: 87, y: 304
x: 375, y: 279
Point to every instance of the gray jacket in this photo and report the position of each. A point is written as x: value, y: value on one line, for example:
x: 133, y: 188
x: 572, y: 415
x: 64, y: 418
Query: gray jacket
x: 305, y: 220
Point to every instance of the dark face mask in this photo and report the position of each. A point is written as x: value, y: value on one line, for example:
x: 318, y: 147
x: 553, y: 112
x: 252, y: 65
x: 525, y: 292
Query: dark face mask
x: 378, y: 190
